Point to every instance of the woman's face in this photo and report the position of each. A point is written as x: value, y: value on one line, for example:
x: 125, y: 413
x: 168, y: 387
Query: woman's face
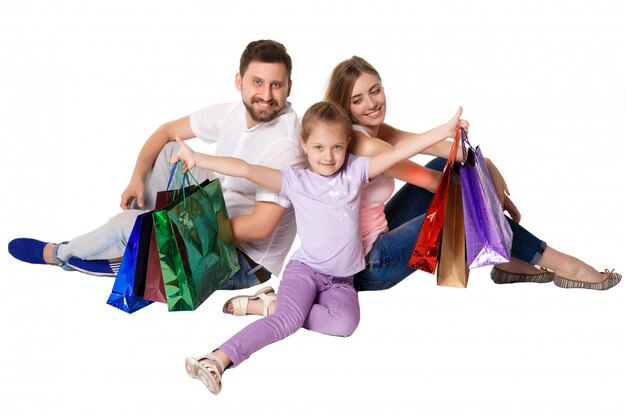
x: 367, y: 102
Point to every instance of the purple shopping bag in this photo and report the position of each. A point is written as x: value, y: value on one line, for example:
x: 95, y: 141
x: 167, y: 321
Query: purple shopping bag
x: 488, y: 236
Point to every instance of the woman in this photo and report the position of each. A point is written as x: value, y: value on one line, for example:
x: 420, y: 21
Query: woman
x: 357, y: 87
x: 389, y: 230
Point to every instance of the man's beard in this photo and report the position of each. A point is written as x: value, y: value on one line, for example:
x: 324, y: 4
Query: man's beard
x: 262, y: 115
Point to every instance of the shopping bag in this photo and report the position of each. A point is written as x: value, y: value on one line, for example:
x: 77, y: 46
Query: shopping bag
x: 426, y: 249
x: 155, y: 289
x: 488, y: 235
x: 452, y: 270
x: 128, y: 288
x: 196, y: 245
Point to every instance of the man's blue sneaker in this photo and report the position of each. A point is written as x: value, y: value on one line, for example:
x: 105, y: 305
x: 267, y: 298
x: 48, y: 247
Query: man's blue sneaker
x: 98, y: 267
x: 28, y: 250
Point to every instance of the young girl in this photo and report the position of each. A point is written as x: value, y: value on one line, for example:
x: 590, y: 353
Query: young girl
x: 316, y: 290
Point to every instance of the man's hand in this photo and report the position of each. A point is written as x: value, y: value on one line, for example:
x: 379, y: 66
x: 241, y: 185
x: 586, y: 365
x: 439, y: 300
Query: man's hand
x: 134, y: 190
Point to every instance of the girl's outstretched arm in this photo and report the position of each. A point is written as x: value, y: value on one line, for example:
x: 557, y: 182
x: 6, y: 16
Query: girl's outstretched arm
x: 407, y: 148
x: 269, y: 178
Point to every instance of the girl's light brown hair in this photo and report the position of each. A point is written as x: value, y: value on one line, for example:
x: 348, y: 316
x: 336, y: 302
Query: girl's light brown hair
x: 325, y: 112
x: 343, y: 78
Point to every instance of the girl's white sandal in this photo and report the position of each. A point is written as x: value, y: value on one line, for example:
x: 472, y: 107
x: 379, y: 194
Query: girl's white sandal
x: 207, y: 369
x: 240, y: 302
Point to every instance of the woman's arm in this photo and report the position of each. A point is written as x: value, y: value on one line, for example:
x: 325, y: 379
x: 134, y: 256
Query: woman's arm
x: 269, y: 178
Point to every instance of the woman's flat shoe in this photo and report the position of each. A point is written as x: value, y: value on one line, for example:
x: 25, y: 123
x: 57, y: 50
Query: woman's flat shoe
x: 240, y: 302
x: 611, y: 280
x: 501, y: 277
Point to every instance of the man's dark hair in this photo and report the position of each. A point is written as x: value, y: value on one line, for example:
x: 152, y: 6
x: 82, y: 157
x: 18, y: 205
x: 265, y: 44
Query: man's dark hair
x: 265, y: 50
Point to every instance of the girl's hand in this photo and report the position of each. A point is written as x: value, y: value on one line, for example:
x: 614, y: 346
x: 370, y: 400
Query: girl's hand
x: 184, y: 154
x: 455, y: 122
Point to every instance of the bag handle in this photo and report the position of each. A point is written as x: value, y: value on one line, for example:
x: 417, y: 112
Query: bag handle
x: 175, y: 168
x: 453, y: 149
x: 467, y: 145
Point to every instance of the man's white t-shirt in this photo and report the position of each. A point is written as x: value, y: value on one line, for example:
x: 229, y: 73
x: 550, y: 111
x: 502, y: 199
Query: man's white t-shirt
x: 274, y: 144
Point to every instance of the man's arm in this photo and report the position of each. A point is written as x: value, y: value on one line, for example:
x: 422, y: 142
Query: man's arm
x: 259, y: 224
x: 148, y: 154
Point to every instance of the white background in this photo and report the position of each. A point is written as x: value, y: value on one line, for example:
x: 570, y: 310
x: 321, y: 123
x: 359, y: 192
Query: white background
x: 543, y: 84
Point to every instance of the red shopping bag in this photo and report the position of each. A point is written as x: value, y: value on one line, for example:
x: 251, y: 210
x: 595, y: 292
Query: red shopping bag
x: 426, y: 249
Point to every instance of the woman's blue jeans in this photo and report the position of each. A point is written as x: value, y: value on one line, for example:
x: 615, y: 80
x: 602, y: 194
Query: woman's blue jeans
x: 387, y: 261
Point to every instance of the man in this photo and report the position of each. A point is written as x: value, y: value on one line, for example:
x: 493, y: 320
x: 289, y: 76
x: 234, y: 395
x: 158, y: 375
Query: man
x: 262, y: 129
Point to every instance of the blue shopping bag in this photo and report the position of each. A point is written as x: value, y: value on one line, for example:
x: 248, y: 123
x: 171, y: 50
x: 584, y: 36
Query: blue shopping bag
x: 128, y: 288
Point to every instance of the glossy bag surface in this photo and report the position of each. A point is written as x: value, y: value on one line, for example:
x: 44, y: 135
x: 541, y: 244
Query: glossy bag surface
x: 196, y: 246
x: 488, y: 236
x: 128, y: 288
x: 452, y: 270
x: 426, y: 251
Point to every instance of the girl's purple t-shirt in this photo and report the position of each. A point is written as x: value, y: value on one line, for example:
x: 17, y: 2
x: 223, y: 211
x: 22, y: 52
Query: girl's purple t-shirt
x: 328, y: 216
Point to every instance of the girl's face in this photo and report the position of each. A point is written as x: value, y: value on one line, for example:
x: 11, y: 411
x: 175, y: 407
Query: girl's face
x: 367, y: 102
x: 326, y: 148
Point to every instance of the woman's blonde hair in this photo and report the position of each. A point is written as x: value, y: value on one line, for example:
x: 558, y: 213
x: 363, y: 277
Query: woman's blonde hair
x: 325, y: 112
x: 343, y: 78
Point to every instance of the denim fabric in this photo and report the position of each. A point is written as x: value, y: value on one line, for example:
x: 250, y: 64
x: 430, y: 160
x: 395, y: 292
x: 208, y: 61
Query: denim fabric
x: 244, y: 278
x: 157, y: 178
x: 387, y: 261
x: 109, y: 240
x: 106, y: 242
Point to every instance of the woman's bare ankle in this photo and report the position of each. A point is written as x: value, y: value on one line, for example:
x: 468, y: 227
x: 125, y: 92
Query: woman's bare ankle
x: 585, y: 273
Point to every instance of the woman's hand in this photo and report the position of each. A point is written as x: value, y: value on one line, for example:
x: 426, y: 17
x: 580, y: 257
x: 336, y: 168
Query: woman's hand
x: 184, y: 154
x: 509, y: 206
x: 498, y: 181
x: 503, y: 191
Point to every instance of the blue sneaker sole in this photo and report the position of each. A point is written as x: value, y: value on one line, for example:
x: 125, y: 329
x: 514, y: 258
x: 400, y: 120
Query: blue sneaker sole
x: 96, y: 267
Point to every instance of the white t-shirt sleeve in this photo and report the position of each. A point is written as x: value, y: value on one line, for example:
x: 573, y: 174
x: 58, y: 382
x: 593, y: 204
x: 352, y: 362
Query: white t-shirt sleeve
x: 205, y: 123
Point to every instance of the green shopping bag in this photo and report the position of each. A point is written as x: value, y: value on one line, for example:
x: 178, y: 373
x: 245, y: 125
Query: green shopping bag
x: 196, y: 245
